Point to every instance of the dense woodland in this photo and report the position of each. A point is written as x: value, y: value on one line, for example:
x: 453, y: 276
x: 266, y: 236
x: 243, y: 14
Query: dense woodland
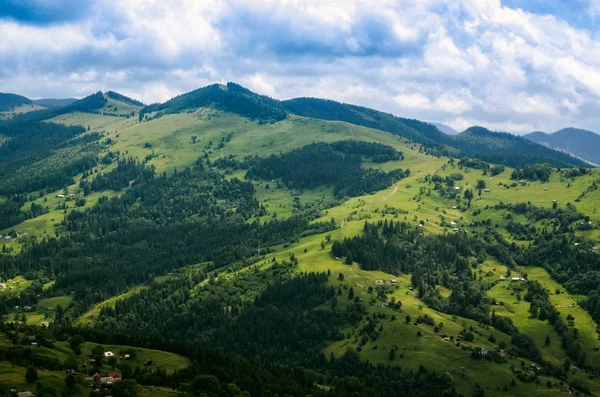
x: 130, y: 239
x: 336, y: 164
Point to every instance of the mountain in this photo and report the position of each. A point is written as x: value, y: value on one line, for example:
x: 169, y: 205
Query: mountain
x: 509, y: 149
x: 445, y: 129
x: 581, y: 143
x: 8, y: 102
x: 500, y: 147
x: 229, y: 98
x: 54, y: 102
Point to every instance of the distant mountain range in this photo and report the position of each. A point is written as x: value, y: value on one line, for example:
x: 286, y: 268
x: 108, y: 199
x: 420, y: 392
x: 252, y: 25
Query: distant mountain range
x: 445, y: 129
x: 580, y: 143
x: 53, y: 102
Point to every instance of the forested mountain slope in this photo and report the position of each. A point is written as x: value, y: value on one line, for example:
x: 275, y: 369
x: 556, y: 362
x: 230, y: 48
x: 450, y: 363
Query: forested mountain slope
x: 240, y: 246
x: 9, y: 102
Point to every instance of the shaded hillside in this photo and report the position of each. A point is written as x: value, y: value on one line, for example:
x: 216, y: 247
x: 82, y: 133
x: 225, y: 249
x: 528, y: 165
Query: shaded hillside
x: 89, y: 104
x: 330, y: 110
x: 445, y: 129
x: 580, y: 143
x: 501, y: 148
x: 508, y: 149
x: 54, y: 102
x: 125, y: 99
x: 8, y: 102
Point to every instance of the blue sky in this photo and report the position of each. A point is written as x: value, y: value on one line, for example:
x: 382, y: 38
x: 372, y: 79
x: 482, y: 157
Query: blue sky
x: 511, y: 65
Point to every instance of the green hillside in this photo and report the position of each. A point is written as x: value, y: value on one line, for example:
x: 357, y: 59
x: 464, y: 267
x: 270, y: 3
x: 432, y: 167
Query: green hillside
x: 320, y: 248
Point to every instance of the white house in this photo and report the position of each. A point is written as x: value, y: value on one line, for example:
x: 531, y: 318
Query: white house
x: 108, y: 354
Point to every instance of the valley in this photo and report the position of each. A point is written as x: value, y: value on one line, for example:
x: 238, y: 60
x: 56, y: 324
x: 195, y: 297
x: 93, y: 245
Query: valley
x: 167, y: 250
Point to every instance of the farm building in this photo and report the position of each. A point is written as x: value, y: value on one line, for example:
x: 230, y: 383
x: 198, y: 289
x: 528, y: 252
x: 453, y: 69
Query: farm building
x: 378, y: 282
x: 515, y: 279
x: 487, y: 190
x: 109, y: 354
x: 502, y: 278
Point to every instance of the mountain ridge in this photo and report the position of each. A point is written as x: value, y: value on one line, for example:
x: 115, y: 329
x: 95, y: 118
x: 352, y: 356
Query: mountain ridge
x: 577, y: 142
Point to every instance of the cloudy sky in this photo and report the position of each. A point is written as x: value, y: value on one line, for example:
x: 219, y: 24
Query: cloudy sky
x: 511, y: 65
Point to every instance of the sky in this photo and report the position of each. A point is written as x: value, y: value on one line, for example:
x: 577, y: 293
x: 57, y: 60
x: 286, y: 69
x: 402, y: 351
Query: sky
x: 510, y: 65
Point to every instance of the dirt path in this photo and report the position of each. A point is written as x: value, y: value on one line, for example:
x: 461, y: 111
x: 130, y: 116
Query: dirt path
x: 343, y: 222
x: 436, y: 170
x: 390, y: 194
x: 351, y: 128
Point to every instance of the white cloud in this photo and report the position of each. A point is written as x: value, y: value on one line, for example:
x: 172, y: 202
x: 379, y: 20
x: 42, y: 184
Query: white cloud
x: 465, y: 61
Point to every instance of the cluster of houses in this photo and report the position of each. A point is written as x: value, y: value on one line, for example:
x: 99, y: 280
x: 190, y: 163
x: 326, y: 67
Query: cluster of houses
x: 513, y: 279
x: 386, y: 282
x: 16, y: 235
x: 14, y: 392
x: 111, y: 378
x: 71, y: 196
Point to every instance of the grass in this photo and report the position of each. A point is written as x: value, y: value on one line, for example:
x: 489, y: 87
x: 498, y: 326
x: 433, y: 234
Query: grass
x: 160, y: 359
x: 12, y: 376
x: 93, y: 314
x: 430, y: 349
x: 15, y: 285
x: 20, y: 110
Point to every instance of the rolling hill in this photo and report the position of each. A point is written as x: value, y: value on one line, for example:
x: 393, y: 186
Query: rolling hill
x: 581, y: 143
x: 8, y: 102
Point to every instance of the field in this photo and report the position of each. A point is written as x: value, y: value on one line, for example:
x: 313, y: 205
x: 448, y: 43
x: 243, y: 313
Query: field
x: 20, y: 110
x: 139, y: 356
